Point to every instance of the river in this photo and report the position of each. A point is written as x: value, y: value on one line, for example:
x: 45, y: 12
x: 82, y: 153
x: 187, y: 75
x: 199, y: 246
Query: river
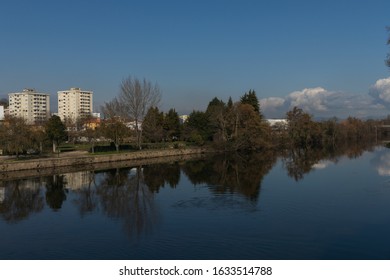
x: 260, y: 206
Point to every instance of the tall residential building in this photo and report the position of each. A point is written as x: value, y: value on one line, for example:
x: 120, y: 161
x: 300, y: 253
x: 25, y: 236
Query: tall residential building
x: 74, y: 103
x: 31, y: 105
x: 1, y: 112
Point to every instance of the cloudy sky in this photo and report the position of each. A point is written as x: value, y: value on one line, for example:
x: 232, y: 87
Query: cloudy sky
x: 324, y: 56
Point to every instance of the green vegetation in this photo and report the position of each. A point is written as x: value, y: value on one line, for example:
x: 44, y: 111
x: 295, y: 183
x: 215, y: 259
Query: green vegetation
x: 55, y: 130
x: 223, y: 126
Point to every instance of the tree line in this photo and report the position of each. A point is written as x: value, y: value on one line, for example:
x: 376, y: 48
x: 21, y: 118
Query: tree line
x: 133, y: 118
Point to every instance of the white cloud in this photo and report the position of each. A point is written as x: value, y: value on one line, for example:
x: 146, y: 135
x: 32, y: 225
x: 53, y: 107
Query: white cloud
x: 310, y: 99
x: 271, y: 103
x: 321, y: 102
x: 381, y: 91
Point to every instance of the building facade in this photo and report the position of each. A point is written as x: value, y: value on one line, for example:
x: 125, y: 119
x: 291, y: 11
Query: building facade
x: 30, y: 105
x: 74, y: 104
x: 1, y: 112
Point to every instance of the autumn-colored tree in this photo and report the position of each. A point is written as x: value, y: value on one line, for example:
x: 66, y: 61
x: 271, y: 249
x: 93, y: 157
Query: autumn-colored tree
x: 355, y: 130
x: 331, y: 132
x: 15, y: 135
x: 302, y: 130
x: 249, y: 131
x: 115, y: 130
x: 38, y: 137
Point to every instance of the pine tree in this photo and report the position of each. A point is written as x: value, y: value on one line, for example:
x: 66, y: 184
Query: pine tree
x: 251, y: 99
x: 230, y: 103
x: 152, y: 125
x: 171, y: 125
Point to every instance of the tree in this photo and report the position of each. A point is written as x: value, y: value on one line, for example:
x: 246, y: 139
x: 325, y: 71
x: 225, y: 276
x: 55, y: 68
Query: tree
x: 89, y: 126
x: 171, y: 125
x: 302, y: 130
x: 56, y: 131
x: 216, y: 111
x: 15, y: 135
x: 38, y: 137
x: 197, y: 128
x: 91, y: 134
x: 230, y: 102
x: 134, y: 100
x: 152, y: 126
x: 251, y: 99
x: 115, y: 130
x: 248, y: 131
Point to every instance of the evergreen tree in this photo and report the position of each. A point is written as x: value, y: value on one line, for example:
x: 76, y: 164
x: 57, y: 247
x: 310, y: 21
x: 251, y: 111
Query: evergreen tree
x: 230, y: 103
x: 171, y: 125
x: 215, y: 103
x: 251, y: 99
x: 56, y: 131
x: 152, y: 125
x: 197, y: 128
x: 216, y: 115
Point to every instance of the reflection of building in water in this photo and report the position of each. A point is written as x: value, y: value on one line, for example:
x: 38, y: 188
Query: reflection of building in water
x: 2, y: 194
x: 30, y: 184
x: 78, y: 180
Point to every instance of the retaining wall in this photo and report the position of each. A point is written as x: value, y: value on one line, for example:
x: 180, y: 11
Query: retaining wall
x: 91, y: 160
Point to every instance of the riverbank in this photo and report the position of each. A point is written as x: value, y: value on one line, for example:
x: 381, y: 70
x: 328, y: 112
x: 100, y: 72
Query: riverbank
x: 73, y: 162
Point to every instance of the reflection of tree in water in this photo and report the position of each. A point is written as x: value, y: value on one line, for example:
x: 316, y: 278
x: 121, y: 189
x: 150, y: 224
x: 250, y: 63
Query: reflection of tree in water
x: 87, y: 200
x: 55, y: 191
x: 21, y: 200
x: 299, y: 162
x: 124, y: 195
x: 232, y: 173
x: 157, y: 175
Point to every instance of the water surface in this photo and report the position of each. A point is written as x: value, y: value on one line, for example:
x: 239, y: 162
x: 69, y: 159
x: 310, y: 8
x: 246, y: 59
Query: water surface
x: 225, y: 207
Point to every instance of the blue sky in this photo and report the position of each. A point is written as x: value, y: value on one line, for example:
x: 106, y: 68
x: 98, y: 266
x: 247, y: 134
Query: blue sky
x: 325, y: 56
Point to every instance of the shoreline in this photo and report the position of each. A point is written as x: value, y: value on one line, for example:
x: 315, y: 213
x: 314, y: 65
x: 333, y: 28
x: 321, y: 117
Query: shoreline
x: 46, y: 166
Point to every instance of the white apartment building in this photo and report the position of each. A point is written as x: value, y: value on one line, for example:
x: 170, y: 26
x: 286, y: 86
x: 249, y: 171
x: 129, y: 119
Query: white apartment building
x: 31, y: 105
x: 74, y: 103
x: 1, y: 112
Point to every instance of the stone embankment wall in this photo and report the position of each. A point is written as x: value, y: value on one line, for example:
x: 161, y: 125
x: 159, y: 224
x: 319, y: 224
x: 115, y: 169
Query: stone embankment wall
x: 35, y: 167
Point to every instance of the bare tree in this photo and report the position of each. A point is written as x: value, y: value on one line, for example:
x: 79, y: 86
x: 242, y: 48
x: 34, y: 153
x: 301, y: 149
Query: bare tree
x: 134, y: 100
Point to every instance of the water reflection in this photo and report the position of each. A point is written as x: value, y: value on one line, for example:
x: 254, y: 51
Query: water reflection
x: 299, y: 162
x: 84, y: 184
x: 127, y: 194
x: 381, y: 163
x: 19, y: 199
x: 56, y: 191
x: 158, y: 175
x: 123, y: 194
x: 236, y: 173
x: 224, y: 205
